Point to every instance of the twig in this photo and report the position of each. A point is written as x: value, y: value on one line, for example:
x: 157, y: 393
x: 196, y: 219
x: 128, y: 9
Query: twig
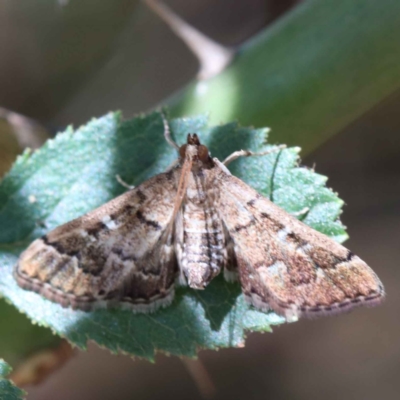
x: 212, y: 56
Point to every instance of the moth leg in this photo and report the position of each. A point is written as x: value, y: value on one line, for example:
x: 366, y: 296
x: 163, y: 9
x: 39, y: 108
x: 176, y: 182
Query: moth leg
x: 301, y: 213
x: 167, y: 132
x: 123, y: 183
x: 248, y: 153
x: 231, y: 273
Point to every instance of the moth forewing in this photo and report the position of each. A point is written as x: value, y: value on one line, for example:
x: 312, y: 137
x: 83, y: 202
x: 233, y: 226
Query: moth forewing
x: 117, y: 253
x: 287, y: 266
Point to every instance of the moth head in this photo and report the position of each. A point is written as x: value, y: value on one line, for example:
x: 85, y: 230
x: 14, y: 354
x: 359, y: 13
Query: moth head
x: 194, y: 149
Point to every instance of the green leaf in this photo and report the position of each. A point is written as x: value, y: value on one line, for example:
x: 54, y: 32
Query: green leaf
x: 76, y: 172
x: 8, y: 391
x: 19, y: 338
x: 308, y: 75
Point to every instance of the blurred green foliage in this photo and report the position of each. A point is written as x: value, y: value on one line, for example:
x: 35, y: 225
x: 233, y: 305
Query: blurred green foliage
x: 307, y: 76
x: 8, y: 391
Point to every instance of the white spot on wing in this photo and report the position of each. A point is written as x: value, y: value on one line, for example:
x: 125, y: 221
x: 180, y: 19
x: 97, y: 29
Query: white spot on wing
x: 109, y: 223
x: 320, y: 275
x: 275, y: 272
x: 282, y: 234
x: 83, y: 233
x: 106, y: 219
x: 304, y: 249
x: 192, y: 193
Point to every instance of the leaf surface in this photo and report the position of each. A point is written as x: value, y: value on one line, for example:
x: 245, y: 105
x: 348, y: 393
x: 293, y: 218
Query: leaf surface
x: 8, y: 391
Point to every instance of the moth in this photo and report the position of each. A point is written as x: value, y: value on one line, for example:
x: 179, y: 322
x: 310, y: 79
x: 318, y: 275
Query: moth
x: 184, y: 227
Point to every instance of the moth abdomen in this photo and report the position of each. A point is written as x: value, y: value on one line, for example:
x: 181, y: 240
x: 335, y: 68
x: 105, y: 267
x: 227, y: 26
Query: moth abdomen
x: 204, y: 249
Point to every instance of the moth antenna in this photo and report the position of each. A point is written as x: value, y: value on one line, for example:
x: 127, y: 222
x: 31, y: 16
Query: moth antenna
x: 167, y: 132
x: 182, y: 185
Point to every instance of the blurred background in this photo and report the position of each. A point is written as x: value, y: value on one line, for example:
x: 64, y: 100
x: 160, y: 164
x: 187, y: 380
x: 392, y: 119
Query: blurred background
x: 321, y: 74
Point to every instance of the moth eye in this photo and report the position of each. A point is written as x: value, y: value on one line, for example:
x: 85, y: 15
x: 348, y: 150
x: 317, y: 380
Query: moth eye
x: 182, y: 151
x: 202, y: 153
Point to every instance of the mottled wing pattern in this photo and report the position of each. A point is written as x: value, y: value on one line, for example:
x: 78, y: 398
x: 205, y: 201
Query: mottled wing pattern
x: 285, y: 265
x: 120, y: 252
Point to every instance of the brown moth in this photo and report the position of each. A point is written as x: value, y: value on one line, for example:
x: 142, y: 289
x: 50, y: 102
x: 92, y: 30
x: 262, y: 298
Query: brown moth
x: 185, y: 226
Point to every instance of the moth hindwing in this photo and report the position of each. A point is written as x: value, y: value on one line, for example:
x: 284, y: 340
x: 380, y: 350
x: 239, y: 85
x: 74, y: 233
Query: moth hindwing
x: 184, y: 227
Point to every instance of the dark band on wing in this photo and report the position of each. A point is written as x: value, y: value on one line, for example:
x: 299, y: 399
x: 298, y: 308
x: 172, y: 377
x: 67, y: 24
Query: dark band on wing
x: 122, y: 256
x: 148, y: 222
x: 59, y: 247
x: 239, y: 228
